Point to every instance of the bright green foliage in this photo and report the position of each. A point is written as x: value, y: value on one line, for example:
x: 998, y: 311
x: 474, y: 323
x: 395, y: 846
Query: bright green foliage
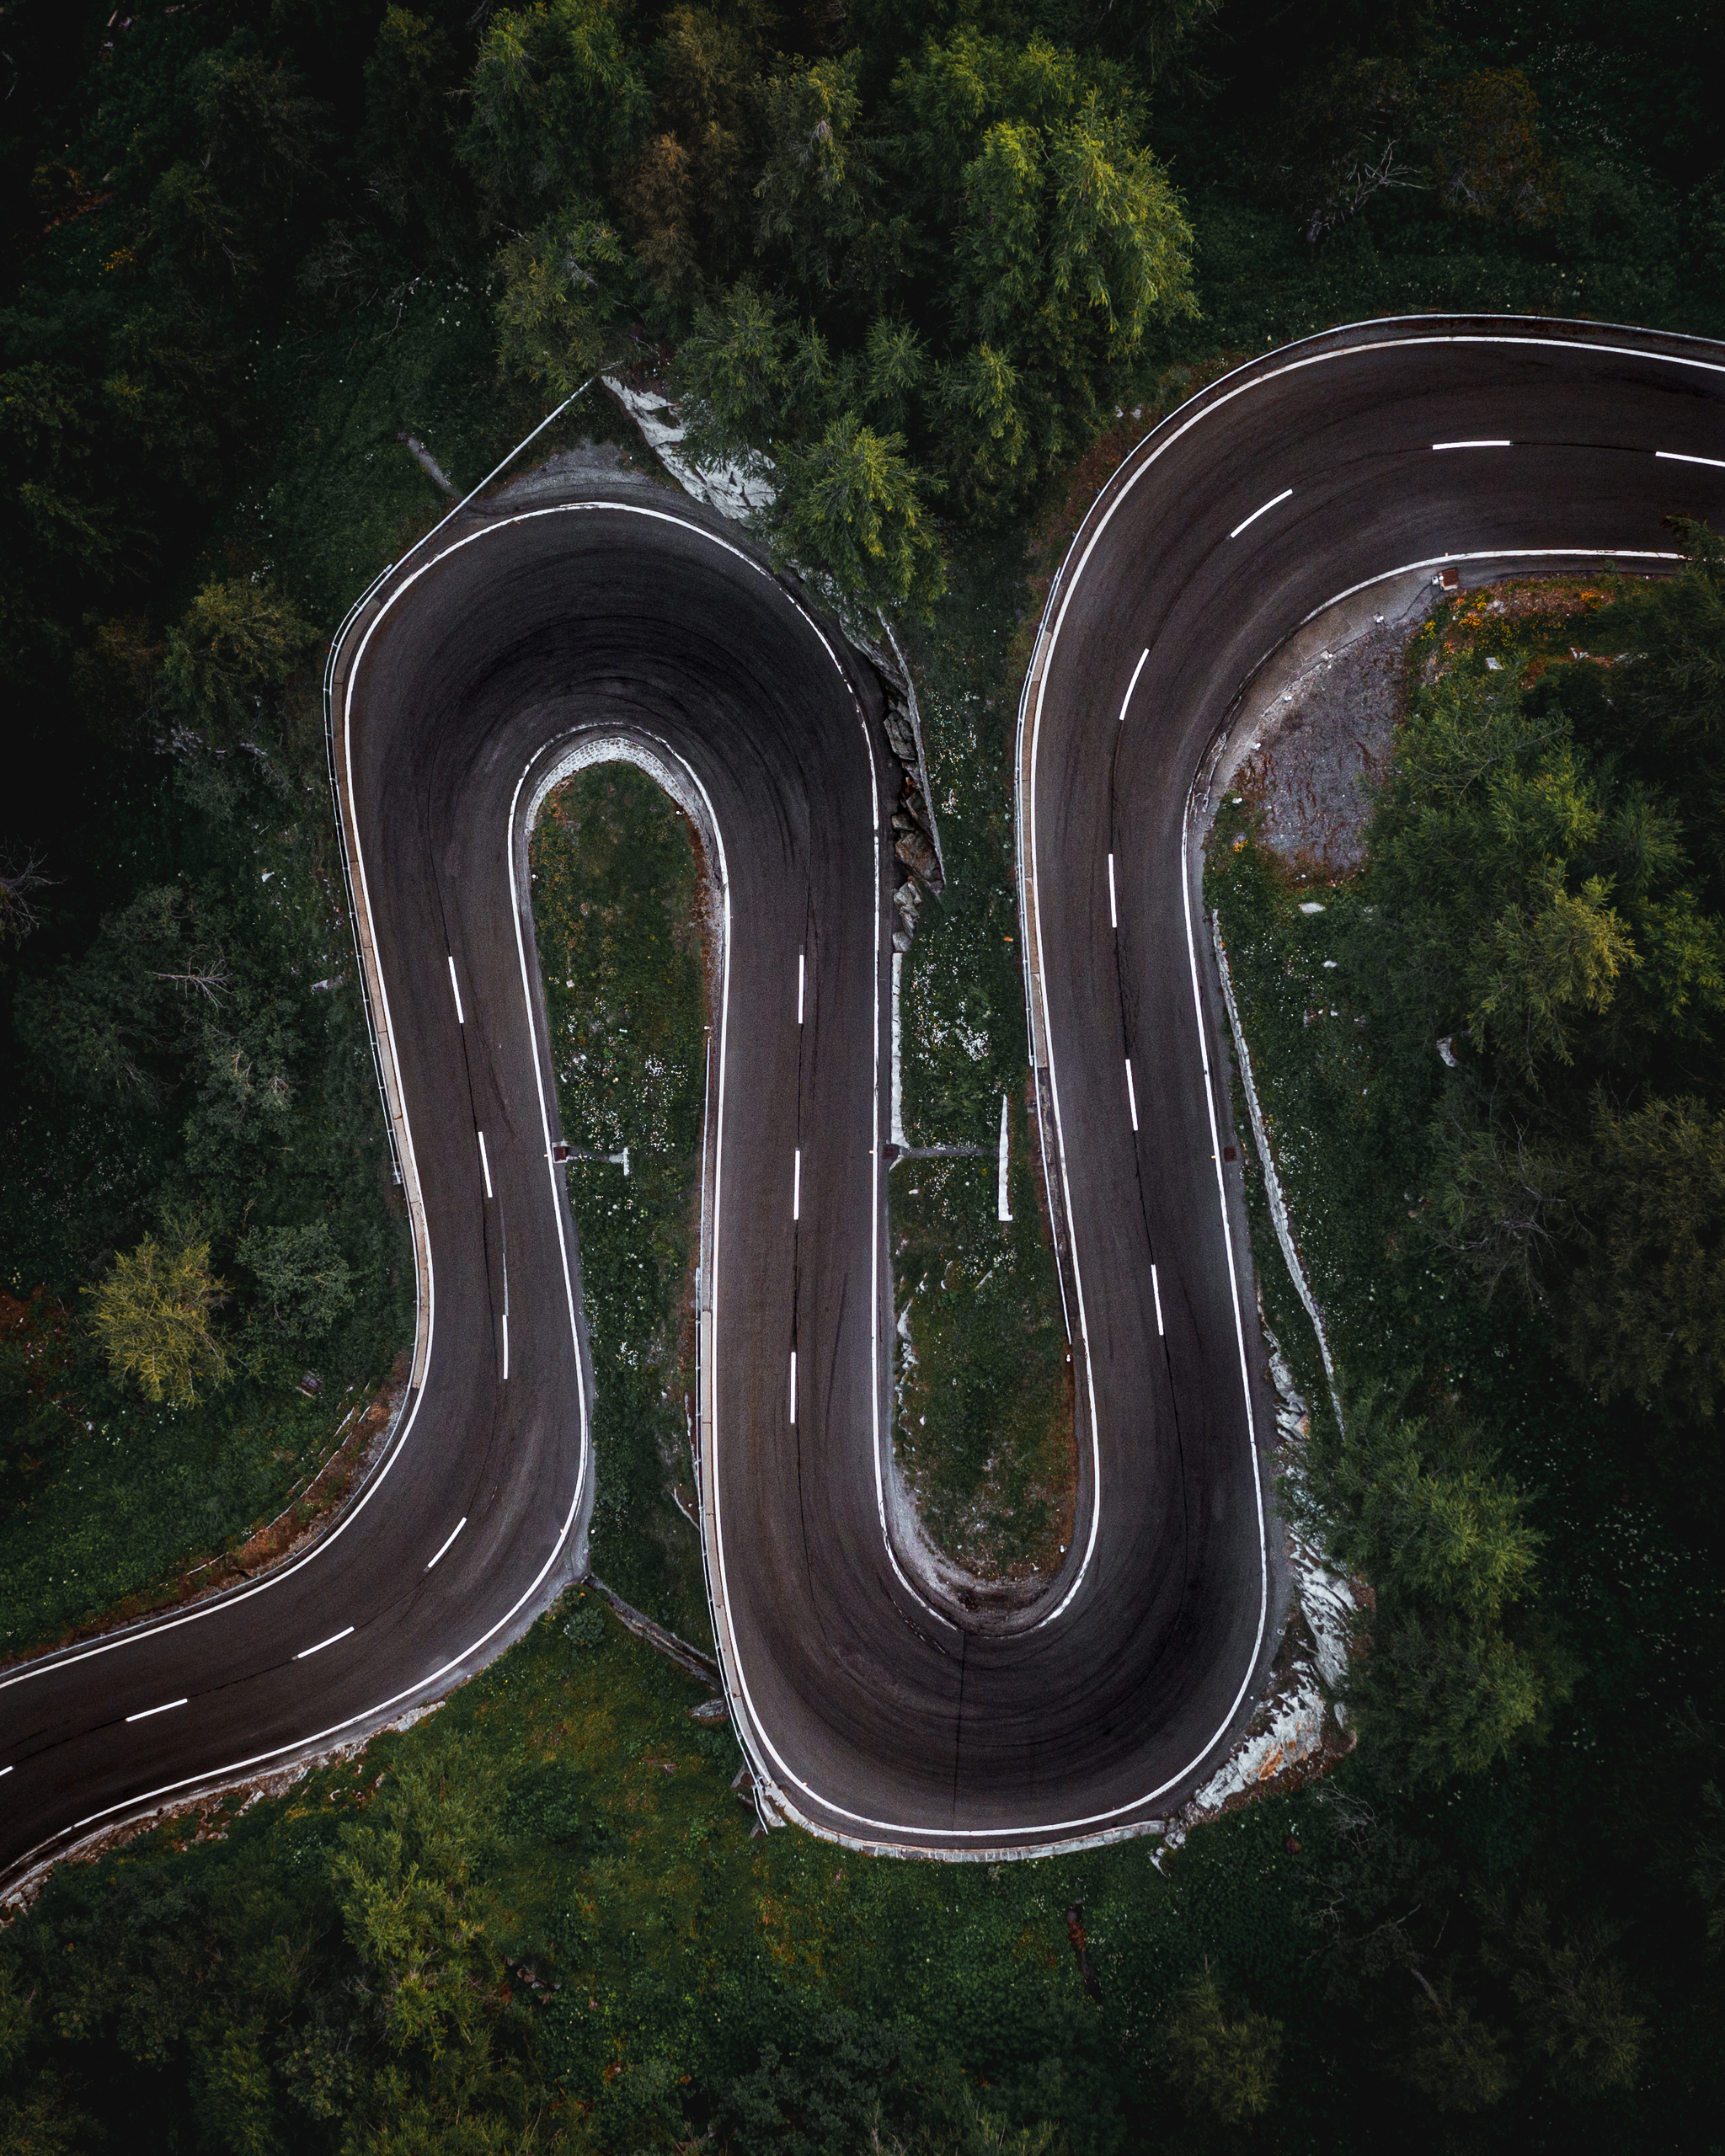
x: 1481, y: 850
x: 1562, y: 952
x: 562, y: 292
x: 415, y: 1915
x: 1443, y: 1688
x: 851, y: 508
x: 1460, y: 1540
x: 959, y: 270
x: 1000, y: 221
x: 238, y: 640
x: 152, y: 1315
x: 1546, y: 885
x: 1067, y: 244
x: 849, y: 505
x: 1223, y: 2064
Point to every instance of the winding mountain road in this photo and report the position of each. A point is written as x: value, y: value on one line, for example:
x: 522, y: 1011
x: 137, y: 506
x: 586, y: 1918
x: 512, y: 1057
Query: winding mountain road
x: 524, y: 639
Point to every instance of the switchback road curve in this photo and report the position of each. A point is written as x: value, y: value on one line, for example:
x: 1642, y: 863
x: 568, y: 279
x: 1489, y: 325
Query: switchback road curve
x: 524, y: 639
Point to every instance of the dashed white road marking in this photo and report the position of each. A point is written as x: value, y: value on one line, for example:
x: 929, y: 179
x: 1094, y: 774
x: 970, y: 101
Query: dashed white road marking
x: 797, y: 1187
x: 485, y: 1163
x: 1113, y: 910
x: 1681, y: 456
x: 342, y: 1635
x: 1473, y: 445
x: 445, y: 1551
x: 1155, y: 1287
x: 1136, y: 671
x: 1131, y: 1093
x: 793, y: 1385
x: 802, y: 962
x: 1258, y: 512
x: 460, y: 1016
x: 166, y: 1707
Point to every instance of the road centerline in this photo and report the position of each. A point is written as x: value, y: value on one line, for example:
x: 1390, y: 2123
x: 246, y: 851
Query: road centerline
x: 1274, y: 501
x: 166, y: 1707
x: 444, y: 1547
x: 318, y: 1649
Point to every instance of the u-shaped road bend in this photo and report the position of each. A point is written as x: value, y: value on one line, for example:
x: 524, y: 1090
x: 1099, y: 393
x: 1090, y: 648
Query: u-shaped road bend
x: 522, y: 637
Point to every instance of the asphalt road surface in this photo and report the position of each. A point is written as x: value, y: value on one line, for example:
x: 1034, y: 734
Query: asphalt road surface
x: 523, y: 639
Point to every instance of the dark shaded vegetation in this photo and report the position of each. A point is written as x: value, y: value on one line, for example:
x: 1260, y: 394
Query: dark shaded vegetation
x: 615, y: 906
x: 1515, y: 1252
x: 918, y: 257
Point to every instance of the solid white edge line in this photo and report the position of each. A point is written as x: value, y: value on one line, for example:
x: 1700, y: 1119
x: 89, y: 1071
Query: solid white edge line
x: 1156, y: 1288
x: 1491, y: 554
x: 1681, y: 456
x: 448, y: 1543
x: 1142, y: 657
x: 460, y: 1016
x: 1032, y: 830
x: 144, y: 1714
x: 1263, y: 1568
x: 1113, y: 910
x: 797, y: 1187
x: 485, y: 1163
x: 435, y: 1678
x: 1131, y: 1093
x: 1004, y: 1836
x: 1473, y: 445
x: 1275, y: 500
x: 345, y: 1633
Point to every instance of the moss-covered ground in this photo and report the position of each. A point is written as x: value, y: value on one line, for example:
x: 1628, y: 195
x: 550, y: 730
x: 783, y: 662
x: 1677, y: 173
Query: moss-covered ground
x: 616, y: 904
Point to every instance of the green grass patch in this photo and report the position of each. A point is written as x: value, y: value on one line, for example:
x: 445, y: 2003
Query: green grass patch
x: 653, y: 1956
x: 616, y: 902
x: 984, y: 1425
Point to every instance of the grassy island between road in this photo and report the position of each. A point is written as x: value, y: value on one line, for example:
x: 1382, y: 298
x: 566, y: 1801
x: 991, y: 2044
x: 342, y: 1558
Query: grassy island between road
x: 615, y: 907
x: 275, y: 284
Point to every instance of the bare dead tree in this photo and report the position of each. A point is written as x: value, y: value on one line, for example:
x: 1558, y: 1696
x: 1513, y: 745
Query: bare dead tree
x: 18, y: 916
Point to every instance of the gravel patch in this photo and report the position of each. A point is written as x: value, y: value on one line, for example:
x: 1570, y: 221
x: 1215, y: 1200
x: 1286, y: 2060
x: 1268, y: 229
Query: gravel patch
x: 1323, y: 747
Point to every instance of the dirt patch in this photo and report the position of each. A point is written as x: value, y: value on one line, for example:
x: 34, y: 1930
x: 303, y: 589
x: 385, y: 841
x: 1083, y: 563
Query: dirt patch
x: 1322, y: 753
x: 1324, y: 744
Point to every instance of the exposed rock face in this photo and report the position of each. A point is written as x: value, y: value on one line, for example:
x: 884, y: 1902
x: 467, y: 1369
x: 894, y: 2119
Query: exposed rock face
x: 915, y: 837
